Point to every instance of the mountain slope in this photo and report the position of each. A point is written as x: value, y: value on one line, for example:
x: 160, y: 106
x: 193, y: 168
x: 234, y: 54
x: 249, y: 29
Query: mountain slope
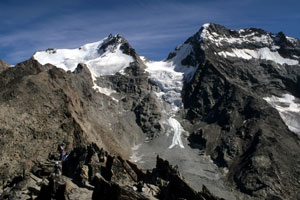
x: 225, y: 102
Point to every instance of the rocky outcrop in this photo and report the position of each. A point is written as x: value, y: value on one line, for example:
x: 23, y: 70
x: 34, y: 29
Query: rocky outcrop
x: 3, y: 65
x: 111, y: 190
x: 92, y: 173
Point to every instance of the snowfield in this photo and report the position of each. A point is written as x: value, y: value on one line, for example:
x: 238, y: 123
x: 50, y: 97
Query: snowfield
x: 99, y: 62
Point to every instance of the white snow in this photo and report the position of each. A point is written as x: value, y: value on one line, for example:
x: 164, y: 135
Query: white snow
x: 204, y: 32
x: 263, y: 54
x: 106, y: 91
x: 289, y: 109
x: 99, y: 62
x: 169, y: 75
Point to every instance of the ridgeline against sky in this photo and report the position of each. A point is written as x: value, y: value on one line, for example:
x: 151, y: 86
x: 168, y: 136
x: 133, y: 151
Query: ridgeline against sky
x: 152, y: 26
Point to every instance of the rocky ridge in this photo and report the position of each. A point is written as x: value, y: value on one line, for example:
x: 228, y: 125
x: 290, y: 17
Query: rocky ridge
x: 92, y: 173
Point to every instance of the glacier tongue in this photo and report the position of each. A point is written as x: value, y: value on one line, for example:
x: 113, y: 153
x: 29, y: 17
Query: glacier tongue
x: 169, y: 76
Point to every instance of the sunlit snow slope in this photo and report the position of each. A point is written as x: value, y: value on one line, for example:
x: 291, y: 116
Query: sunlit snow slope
x: 100, y: 61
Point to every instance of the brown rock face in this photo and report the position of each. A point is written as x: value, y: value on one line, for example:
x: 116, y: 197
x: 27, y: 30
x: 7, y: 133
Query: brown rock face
x: 3, y: 65
x: 43, y: 105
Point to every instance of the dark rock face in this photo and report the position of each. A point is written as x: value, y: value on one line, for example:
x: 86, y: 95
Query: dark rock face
x: 239, y: 129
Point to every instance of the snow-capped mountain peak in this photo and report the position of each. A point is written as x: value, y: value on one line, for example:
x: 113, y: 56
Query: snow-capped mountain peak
x: 104, y: 57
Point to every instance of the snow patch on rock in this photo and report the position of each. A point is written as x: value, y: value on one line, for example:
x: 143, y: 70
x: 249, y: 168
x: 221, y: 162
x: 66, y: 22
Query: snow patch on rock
x: 288, y: 107
x: 262, y: 54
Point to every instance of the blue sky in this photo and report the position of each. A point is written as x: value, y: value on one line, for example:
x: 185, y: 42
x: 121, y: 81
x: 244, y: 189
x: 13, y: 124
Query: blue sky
x: 152, y: 27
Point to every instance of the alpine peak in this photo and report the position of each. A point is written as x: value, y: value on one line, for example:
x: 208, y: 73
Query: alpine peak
x: 105, y: 57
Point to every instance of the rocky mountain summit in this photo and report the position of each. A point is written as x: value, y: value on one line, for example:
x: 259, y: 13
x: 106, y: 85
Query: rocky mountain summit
x: 223, y: 109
